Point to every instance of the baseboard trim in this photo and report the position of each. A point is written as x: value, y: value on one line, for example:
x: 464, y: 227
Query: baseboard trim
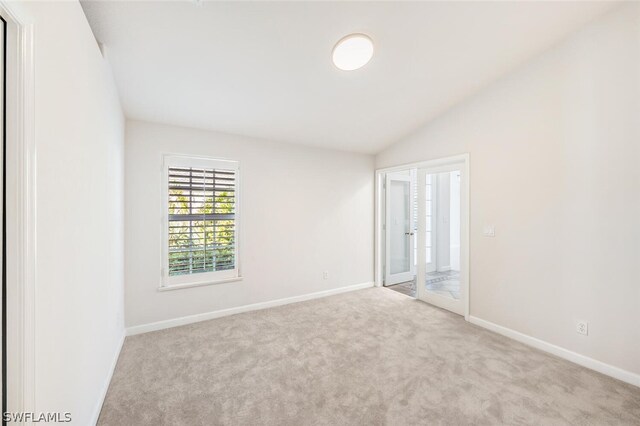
x: 161, y: 325
x: 585, y: 361
x: 105, y: 387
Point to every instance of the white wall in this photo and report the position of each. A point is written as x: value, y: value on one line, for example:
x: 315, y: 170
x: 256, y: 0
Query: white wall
x: 304, y: 211
x: 554, y: 154
x: 79, y: 139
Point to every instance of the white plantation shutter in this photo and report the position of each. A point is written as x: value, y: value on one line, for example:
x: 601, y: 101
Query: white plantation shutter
x: 201, y: 225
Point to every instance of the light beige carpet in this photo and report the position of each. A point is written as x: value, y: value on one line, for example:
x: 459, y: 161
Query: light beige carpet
x: 371, y: 357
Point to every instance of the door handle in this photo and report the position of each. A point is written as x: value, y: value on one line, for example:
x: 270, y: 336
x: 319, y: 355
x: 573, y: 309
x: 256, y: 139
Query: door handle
x: 408, y: 233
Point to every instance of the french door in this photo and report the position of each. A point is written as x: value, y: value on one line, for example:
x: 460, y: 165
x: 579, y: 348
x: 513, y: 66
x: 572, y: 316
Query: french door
x: 441, y: 269
x: 423, y: 234
x: 399, y: 228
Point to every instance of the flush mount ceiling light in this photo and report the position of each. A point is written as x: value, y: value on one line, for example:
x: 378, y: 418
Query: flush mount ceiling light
x: 353, y: 52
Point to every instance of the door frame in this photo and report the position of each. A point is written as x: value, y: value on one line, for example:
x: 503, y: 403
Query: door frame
x: 463, y: 161
x: 19, y: 365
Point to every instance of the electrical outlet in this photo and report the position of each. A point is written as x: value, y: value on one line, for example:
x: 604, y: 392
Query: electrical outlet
x: 582, y: 327
x: 489, y: 231
x: 325, y: 275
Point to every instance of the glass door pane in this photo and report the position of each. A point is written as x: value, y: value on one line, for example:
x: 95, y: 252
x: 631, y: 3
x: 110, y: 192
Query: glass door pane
x: 440, y: 281
x: 400, y: 229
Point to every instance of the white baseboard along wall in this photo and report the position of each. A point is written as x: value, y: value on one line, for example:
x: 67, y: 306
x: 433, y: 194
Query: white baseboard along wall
x: 107, y: 381
x: 161, y: 325
x: 576, y: 358
x: 601, y: 367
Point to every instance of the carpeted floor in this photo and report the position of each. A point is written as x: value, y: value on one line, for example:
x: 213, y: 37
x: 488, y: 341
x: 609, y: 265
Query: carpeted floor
x: 371, y: 357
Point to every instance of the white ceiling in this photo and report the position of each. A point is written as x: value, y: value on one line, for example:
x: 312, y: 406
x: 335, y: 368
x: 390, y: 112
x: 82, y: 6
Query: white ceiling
x: 264, y: 69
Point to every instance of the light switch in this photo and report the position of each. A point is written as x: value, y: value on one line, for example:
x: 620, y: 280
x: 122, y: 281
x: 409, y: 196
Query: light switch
x: 489, y: 231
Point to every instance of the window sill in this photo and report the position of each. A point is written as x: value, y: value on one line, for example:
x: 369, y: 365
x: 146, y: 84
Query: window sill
x: 198, y: 284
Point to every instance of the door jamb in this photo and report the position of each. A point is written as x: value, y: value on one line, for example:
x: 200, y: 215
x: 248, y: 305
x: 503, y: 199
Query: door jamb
x: 21, y: 210
x: 463, y: 160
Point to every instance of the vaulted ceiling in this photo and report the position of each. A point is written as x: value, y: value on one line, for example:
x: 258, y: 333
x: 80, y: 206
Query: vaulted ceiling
x: 264, y: 69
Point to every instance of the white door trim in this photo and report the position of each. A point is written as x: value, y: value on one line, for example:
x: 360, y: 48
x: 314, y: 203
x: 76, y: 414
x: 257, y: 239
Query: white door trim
x: 440, y: 164
x: 21, y: 210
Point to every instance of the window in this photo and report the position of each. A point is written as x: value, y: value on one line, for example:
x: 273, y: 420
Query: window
x: 200, y: 221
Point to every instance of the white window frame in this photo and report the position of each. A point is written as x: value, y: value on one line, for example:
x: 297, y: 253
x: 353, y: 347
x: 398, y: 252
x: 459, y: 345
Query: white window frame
x: 204, y: 278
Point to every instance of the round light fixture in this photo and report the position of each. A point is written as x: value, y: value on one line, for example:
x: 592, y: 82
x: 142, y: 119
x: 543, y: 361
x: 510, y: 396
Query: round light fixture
x: 353, y: 52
